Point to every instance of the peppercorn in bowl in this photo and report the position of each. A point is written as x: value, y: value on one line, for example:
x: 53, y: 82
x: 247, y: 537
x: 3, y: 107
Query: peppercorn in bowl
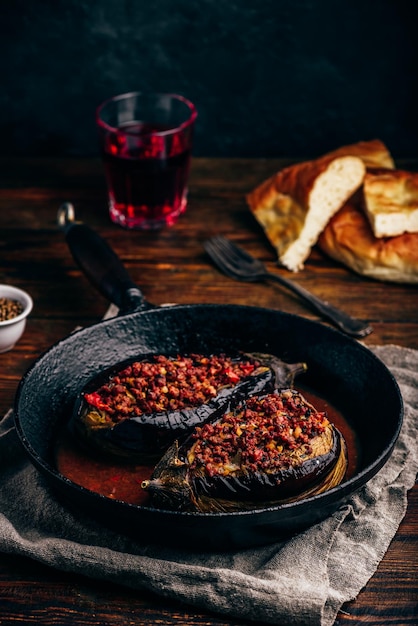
x: 15, y: 306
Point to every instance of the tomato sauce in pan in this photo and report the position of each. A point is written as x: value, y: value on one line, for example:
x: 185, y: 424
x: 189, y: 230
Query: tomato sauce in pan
x: 123, y: 481
x: 111, y: 479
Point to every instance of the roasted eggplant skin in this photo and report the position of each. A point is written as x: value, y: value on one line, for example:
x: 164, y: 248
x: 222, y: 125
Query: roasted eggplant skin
x: 263, y: 486
x: 174, y: 485
x: 143, y: 439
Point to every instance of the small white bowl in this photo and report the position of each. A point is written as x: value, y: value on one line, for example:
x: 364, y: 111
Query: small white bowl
x: 12, y: 330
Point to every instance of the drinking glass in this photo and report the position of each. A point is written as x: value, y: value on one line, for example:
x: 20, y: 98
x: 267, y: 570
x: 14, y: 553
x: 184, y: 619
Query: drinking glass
x: 146, y: 143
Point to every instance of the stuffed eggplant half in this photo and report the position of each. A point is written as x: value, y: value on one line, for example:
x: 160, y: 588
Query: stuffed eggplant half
x: 269, y: 449
x: 138, y: 409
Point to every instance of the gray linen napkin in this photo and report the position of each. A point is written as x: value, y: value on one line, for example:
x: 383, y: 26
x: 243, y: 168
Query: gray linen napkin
x: 304, y: 580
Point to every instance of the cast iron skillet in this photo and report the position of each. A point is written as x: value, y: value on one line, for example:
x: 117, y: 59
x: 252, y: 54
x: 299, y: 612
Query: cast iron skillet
x: 339, y: 368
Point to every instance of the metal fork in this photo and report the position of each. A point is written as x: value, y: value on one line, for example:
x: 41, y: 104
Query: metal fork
x: 238, y: 264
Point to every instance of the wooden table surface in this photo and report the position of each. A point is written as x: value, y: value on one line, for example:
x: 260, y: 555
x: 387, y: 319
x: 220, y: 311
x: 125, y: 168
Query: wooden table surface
x: 171, y: 266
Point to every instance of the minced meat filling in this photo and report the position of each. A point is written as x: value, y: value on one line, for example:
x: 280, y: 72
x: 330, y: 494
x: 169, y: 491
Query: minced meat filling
x: 259, y: 437
x: 167, y: 384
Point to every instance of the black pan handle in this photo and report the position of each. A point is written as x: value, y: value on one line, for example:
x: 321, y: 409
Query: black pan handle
x: 100, y: 263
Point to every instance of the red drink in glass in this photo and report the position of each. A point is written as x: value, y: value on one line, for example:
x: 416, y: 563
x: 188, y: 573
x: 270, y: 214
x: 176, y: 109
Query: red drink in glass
x: 147, y: 162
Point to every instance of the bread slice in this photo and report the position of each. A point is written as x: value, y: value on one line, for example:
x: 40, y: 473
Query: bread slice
x: 391, y: 201
x: 294, y: 205
x: 373, y: 153
x: 349, y: 239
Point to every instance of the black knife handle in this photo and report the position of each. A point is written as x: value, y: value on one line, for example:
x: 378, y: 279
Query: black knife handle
x: 100, y: 263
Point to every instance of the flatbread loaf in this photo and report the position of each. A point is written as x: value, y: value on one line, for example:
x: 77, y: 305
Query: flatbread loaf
x: 349, y: 239
x: 294, y: 205
x: 391, y: 201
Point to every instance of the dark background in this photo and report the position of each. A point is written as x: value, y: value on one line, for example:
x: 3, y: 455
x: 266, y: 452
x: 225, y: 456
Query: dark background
x: 269, y: 78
